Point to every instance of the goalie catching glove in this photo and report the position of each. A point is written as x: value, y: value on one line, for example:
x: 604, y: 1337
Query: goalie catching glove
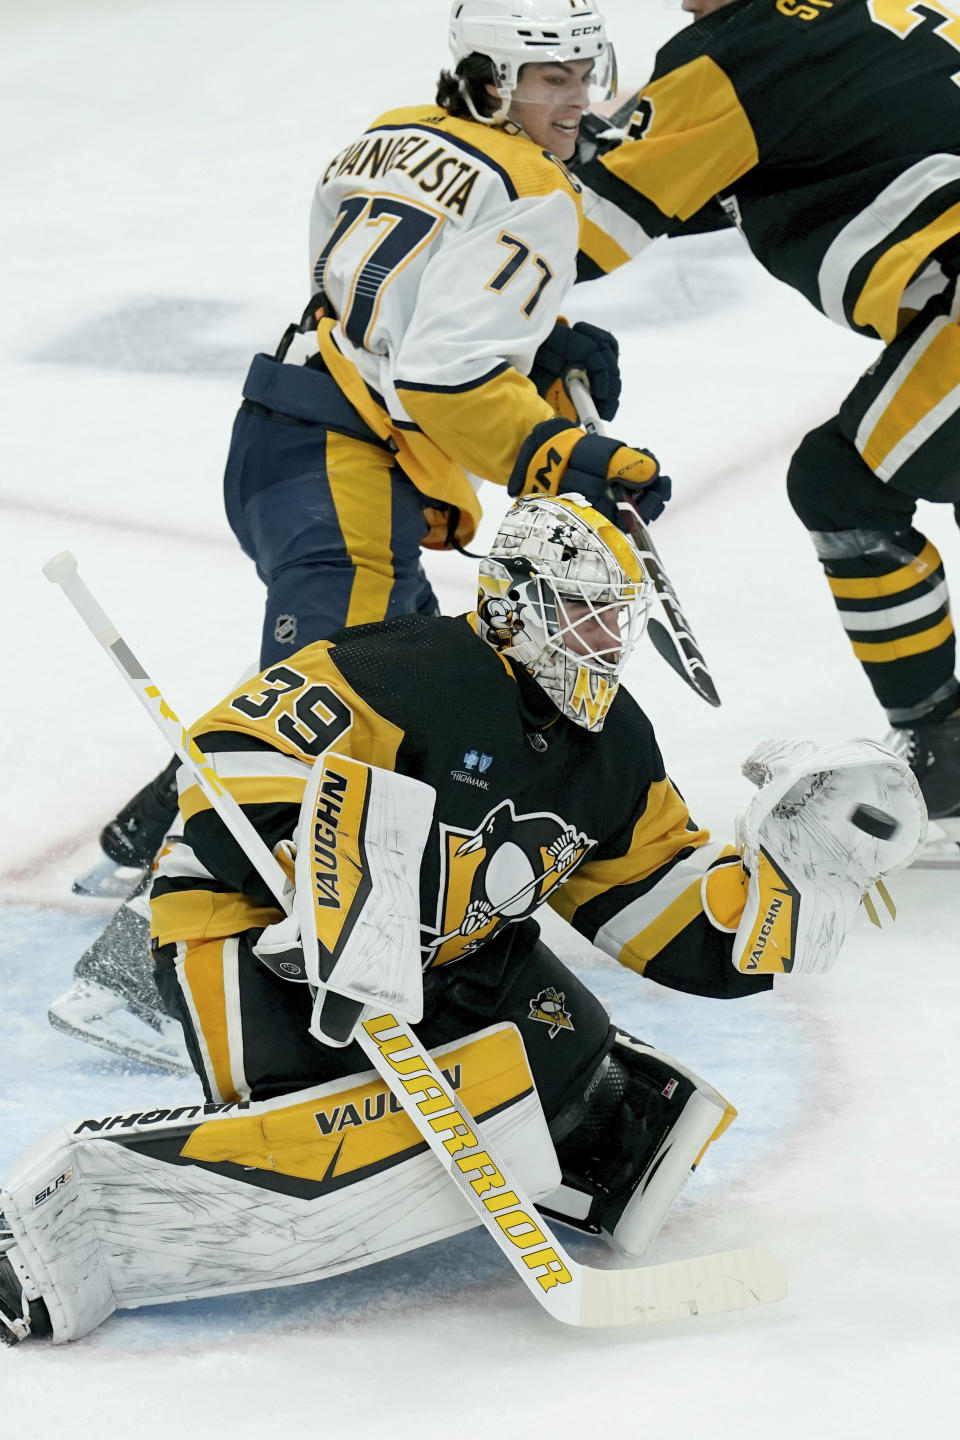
x: 827, y: 824
x: 558, y: 458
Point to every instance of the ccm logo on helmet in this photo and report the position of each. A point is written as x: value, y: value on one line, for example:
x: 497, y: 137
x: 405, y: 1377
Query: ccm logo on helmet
x: 586, y: 30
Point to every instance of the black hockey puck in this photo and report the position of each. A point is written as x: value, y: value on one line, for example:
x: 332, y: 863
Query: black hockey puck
x: 874, y: 822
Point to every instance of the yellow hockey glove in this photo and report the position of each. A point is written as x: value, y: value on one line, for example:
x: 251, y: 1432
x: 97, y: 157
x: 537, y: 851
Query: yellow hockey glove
x: 559, y: 458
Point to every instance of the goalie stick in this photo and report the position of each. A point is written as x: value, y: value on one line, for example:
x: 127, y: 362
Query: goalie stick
x: 674, y: 641
x: 573, y: 1293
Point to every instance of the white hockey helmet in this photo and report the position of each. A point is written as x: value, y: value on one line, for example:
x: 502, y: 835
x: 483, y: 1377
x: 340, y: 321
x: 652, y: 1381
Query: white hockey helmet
x: 512, y: 33
x: 564, y: 593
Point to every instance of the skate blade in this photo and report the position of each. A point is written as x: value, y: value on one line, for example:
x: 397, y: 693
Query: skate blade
x: 100, y: 1016
x: 107, y: 881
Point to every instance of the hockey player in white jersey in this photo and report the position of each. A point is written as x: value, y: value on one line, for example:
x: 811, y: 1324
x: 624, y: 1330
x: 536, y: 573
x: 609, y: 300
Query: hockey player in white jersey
x: 443, y: 246
x: 545, y: 785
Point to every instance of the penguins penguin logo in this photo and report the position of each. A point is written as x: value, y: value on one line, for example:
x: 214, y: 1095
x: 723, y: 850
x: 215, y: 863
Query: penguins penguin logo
x: 548, y: 1008
x: 499, y: 874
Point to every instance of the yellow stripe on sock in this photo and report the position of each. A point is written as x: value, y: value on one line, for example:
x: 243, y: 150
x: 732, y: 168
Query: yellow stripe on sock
x: 873, y: 586
x: 910, y: 644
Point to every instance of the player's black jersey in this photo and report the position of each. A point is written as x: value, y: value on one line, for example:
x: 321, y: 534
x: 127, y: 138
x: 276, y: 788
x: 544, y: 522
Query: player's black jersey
x: 829, y: 130
x: 530, y: 808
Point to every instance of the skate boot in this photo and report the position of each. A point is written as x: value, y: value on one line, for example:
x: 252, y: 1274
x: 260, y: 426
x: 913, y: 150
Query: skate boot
x: 132, y: 839
x: 933, y: 754
x: 641, y: 1128
x: 136, y: 833
x: 22, y: 1313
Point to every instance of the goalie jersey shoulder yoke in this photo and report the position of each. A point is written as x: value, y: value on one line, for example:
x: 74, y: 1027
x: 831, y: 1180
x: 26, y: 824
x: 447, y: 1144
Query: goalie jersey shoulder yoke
x: 829, y: 129
x: 530, y: 808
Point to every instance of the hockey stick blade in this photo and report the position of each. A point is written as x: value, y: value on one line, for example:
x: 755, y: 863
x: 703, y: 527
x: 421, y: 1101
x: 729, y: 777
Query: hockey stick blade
x: 674, y: 641
x: 682, y: 1289
x: 697, y: 677
x: 575, y: 1294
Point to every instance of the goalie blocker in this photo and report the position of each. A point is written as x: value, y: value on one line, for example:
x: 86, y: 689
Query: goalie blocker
x: 130, y: 1209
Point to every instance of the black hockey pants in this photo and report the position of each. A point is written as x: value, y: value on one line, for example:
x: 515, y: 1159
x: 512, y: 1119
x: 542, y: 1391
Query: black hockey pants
x: 855, y: 482
x: 246, y: 1030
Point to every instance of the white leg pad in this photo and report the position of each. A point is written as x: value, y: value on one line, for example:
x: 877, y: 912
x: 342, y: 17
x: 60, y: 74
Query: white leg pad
x: 154, y: 1206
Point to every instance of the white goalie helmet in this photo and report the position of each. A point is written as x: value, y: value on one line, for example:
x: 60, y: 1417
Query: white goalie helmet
x: 512, y: 33
x: 564, y: 593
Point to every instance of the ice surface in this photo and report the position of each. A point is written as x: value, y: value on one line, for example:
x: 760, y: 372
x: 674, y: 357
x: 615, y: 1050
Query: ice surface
x: 157, y: 169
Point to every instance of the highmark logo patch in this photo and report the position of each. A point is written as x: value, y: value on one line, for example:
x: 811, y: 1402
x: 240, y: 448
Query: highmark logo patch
x: 475, y: 764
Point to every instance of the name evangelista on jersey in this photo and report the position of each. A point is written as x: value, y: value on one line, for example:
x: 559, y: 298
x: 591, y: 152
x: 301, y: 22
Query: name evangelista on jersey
x: 445, y: 249
x: 829, y: 130
x: 531, y: 809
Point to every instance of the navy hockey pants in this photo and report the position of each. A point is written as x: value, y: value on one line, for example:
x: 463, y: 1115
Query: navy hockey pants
x: 331, y: 522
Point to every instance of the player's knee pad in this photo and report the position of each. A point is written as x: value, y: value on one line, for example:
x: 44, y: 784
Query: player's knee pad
x: 832, y: 488
x: 144, y: 1207
x: 811, y: 475
x: 639, y: 1129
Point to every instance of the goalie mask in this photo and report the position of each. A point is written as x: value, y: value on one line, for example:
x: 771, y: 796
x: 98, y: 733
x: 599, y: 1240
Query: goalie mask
x: 512, y: 33
x: 563, y: 592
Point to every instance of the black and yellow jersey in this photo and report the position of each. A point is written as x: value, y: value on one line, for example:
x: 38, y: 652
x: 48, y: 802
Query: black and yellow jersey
x: 829, y: 131
x: 530, y: 808
x: 445, y: 249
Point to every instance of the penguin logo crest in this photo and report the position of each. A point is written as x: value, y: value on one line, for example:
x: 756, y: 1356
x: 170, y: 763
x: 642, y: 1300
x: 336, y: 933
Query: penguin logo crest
x: 548, y: 1008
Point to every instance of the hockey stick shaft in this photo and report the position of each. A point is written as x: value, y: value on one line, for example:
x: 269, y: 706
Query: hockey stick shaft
x: 675, y: 642
x: 391, y: 1047
x: 573, y: 1293
x: 62, y: 570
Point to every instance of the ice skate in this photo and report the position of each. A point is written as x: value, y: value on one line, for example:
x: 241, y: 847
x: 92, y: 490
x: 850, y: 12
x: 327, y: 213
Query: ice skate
x: 113, y: 1001
x: 933, y: 754
x: 132, y: 838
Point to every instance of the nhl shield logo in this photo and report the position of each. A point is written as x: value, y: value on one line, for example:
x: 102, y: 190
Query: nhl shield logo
x: 285, y: 629
x: 548, y: 1008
